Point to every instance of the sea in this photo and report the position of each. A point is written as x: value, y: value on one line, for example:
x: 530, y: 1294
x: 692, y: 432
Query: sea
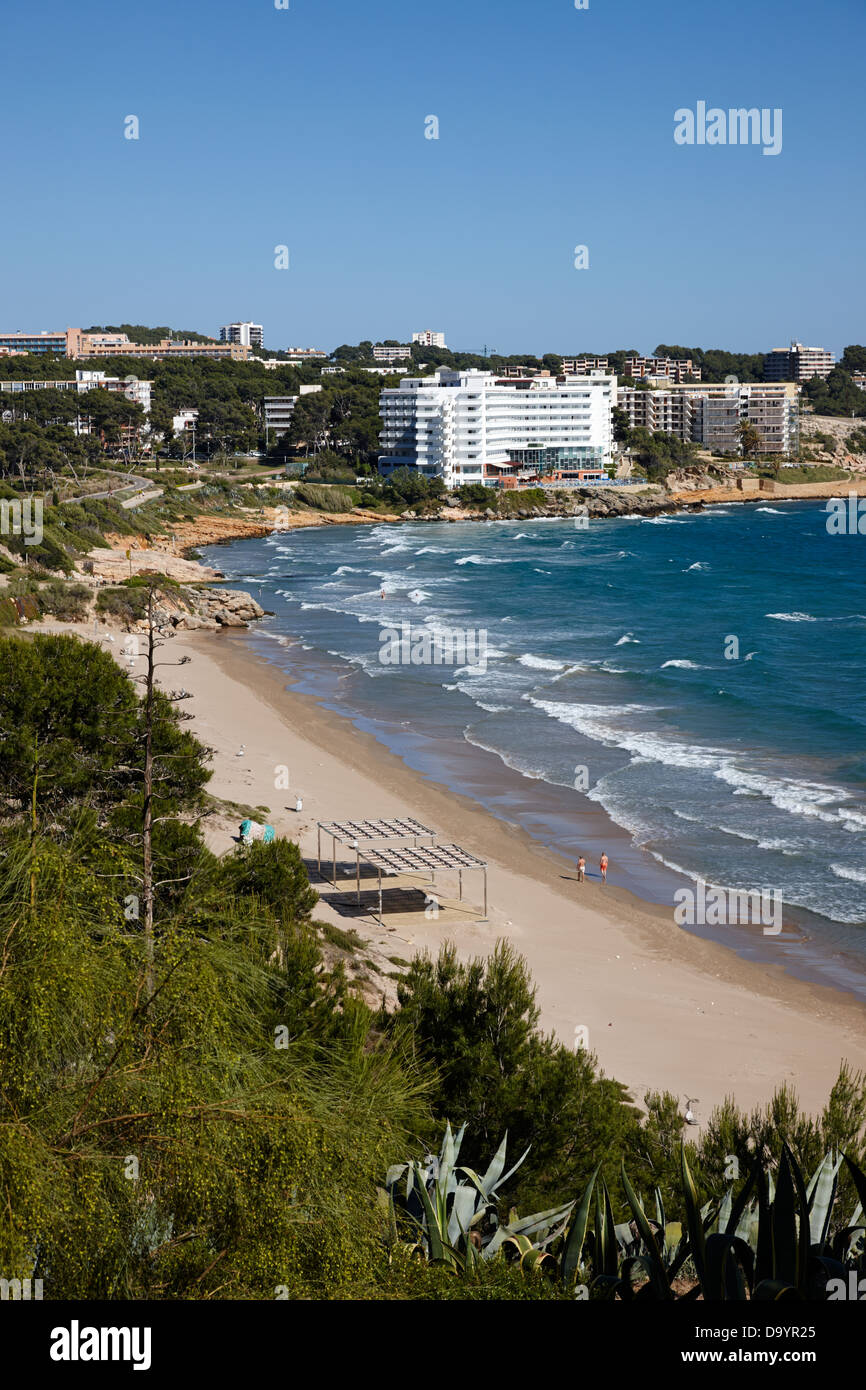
x: 686, y: 692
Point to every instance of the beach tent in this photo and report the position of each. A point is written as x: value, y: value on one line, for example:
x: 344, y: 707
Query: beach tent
x: 251, y: 830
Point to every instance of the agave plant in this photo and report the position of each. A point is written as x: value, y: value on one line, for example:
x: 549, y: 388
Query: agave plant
x: 772, y: 1242
x: 777, y: 1239
x: 454, y: 1211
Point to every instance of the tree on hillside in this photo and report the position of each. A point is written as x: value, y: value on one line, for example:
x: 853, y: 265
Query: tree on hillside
x: 854, y: 358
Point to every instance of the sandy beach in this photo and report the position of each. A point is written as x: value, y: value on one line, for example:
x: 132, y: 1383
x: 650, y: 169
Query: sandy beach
x: 662, y: 1009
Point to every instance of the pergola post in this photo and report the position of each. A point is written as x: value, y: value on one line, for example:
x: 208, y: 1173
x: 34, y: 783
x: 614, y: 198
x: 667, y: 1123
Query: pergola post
x: 334, y: 852
x: 358, y: 872
x: 381, y: 923
x: 460, y: 881
x: 319, y: 849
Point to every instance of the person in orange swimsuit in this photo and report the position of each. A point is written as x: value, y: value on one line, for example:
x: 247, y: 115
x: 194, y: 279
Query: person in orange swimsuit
x: 602, y: 864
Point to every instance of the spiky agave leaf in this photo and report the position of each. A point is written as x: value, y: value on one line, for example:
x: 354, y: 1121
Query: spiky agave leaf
x: 821, y: 1194
x: 694, y: 1222
x: 570, y: 1260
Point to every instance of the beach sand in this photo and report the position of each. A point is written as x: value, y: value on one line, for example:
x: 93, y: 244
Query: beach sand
x: 660, y: 1008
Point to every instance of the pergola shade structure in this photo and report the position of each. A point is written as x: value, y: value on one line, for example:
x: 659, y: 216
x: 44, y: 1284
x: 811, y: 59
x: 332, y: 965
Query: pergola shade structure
x: 422, y: 859
x: 354, y: 832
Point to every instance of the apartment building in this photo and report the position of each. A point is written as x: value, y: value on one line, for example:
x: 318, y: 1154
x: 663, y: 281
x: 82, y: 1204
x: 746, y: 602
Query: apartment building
x: 249, y: 334
x: 583, y: 366
x: 429, y: 339
x: 132, y: 388
x: 798, y: 363
x: 476, y: 427
x: 668, y: 368
x: 392, y: 354
x: 167, y: 350
x: 710, y: 414
x: 280, y: 409
x: 65, y: 344
x: 666, y: 410
x: 297, y: 356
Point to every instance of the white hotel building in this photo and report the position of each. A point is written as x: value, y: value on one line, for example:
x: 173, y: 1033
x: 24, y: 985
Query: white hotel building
x: 475, y: 427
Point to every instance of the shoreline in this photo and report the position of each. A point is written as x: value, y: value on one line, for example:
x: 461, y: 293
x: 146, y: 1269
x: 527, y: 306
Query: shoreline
x: 664, y: 1009
x: 219, y: 530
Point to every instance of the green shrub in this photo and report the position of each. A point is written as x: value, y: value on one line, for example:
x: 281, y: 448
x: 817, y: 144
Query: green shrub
x: 129, y: 605
x: 68, y: 602
x: 325, y: 498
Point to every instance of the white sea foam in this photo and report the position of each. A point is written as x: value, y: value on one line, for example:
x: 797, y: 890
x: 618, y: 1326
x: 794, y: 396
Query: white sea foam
x: 855, y: 875
x: 629, y: 637
x: 698, y: 565
x: 540, y: 663
x: 347, y: 569
x: 684, y: 665
x: 792, y: 617
x: 797, y: 798
x: 770, y: 511
x: 740, y: 834
x: 603, y: 723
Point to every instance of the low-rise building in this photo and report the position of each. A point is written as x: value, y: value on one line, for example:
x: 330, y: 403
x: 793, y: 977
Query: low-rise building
x: 184, y: 421
x: 132, y: 387
x: 390, y: 353
x: 668, y: 368
x: 62, y: 344
x: 166, y: 350
x: 297, y: 356
x: 583, y: 366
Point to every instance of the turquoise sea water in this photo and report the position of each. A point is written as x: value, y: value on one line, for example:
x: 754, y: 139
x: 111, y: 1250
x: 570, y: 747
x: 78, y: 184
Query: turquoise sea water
x: 702, y: 677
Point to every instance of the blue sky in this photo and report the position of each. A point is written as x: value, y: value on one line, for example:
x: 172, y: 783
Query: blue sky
x: 306, y: 127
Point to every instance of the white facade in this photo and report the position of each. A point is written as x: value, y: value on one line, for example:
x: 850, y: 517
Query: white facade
x: 429, y: 339
x: 280, y: 409
x: 184, y: 420
x: 278, y: 414
x: 132, y: 387
x: 247, y: 334
x: 392, y: 354
x: 475, y: 427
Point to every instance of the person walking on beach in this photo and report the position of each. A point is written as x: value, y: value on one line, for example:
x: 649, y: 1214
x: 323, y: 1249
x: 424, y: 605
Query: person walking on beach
x: 602, y: 864
x: 581, y: 869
